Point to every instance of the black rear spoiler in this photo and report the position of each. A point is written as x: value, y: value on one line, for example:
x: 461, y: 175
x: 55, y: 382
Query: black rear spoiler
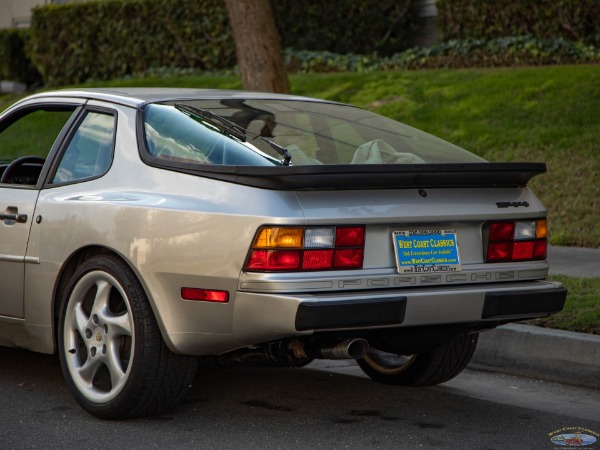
x: 369, y: 176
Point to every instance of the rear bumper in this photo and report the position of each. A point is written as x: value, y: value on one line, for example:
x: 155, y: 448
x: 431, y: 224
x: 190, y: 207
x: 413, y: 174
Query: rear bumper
x: 368, y: 313
x: 505, y: 305
x: 260, y: 317
x: 264, y: 317
x: 498, y: 305
x: 348, y: 314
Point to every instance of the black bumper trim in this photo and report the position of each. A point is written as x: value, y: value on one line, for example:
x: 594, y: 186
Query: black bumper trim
x: 523, y: 303
x: 348, y: 314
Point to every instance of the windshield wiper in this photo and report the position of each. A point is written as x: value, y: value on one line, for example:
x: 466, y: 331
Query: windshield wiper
x: 287, y: 157
x: 221, y: 123
x: 232, y: 129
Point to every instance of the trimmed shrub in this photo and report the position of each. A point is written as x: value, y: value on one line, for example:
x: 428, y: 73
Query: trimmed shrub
x: 307, y: 61
x: 14, y: 64
x: 107, y: 39
x: 574, y: 20
x: 345, y: 26
x: 501, y: 52
x: 509, y: 51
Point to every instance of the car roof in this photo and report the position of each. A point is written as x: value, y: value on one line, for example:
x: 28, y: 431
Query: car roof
x: 139, y: 96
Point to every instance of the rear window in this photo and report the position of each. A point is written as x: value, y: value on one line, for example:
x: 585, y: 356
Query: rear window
x: 314, y: 133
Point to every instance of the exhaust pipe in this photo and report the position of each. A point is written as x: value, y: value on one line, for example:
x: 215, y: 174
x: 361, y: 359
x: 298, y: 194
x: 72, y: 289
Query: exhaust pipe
x: 354, y: 348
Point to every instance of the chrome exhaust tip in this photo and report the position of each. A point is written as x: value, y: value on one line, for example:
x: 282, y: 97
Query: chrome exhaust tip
x: 352, y: 348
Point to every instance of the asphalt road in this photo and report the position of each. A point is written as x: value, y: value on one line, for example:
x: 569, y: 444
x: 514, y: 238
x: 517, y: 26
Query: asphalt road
x: 327, y: 405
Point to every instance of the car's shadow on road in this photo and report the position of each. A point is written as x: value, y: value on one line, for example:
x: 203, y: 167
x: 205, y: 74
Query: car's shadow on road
x: 237, y: 393
x: 24, y: 369
x: 244, y: 407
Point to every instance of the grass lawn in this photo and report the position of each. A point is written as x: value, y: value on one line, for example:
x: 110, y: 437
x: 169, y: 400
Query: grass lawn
x: 582, y: 309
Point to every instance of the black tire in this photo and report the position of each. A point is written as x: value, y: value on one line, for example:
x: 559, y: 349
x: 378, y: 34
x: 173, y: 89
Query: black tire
x: 423, y: 369
x: 111, y: 350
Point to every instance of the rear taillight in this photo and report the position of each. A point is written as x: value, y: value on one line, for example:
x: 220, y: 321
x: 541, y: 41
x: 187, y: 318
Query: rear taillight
x: 280, y: 249
x: 517, y: 240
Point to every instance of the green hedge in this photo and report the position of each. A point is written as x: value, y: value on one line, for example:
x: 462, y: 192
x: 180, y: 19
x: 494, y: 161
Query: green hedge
x: 345, y: 26
x: 575, y: 20
x: 14, y: 64
x: 111, y: 38
x: 107, y: 39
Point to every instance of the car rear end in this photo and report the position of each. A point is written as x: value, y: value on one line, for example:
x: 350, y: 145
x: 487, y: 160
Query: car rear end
x: 388, y: 260
x: 397, y: 239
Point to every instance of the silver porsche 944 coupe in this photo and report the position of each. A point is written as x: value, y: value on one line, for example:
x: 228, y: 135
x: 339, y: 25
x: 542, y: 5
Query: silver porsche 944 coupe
x: 145, y: 230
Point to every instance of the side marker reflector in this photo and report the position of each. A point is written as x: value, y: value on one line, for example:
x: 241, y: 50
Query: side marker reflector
x: 204, y: 295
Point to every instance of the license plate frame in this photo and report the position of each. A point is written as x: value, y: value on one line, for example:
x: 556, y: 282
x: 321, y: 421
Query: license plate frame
x: 426, y: 251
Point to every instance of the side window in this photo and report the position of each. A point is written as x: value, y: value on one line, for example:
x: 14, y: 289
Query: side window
x: 90, y: 149
x: 30, y: 134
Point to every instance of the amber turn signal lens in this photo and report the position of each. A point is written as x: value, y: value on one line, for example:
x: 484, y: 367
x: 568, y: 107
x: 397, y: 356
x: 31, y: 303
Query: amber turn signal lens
x: 541, y: 229
x: 279, y: 237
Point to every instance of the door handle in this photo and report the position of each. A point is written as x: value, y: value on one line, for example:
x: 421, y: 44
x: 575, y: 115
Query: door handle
x: 19, y: 218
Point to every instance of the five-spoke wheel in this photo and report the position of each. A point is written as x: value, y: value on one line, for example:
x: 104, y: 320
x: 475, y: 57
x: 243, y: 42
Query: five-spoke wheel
x: 111, y: 350
x: 98, y: 336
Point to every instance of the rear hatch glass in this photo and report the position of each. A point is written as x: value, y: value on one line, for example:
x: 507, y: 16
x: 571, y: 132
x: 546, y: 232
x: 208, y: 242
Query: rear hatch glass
x: 314, y: 133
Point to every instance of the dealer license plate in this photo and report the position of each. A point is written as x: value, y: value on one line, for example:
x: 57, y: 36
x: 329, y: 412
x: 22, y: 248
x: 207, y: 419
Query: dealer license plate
x: 426, y: 251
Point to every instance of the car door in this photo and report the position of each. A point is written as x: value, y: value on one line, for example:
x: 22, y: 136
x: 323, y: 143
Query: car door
x: 28, y: 136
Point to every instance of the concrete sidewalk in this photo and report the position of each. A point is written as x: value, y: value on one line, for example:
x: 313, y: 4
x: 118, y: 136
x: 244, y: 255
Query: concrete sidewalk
x: 547, y: 354
x: 574, y: 261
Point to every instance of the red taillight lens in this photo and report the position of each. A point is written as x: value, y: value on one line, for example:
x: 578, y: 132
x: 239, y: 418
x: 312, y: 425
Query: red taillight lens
x: 317, y: 259
x: 348, y: 259
x: 518, y: 240
x: 499, y: 251
x: 204, y: 295
x: 522, y: 250
x: 274, y: 260
x: 350, y: 237
x: 540, y: 249
x: 310, y: 248
x: 502, y: 231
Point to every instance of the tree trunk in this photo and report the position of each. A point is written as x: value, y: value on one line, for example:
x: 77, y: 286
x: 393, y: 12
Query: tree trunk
x: 257, y: 46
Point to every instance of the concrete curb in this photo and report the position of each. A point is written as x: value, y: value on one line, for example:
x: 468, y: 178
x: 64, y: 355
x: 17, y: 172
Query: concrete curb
x: 547, y: 354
